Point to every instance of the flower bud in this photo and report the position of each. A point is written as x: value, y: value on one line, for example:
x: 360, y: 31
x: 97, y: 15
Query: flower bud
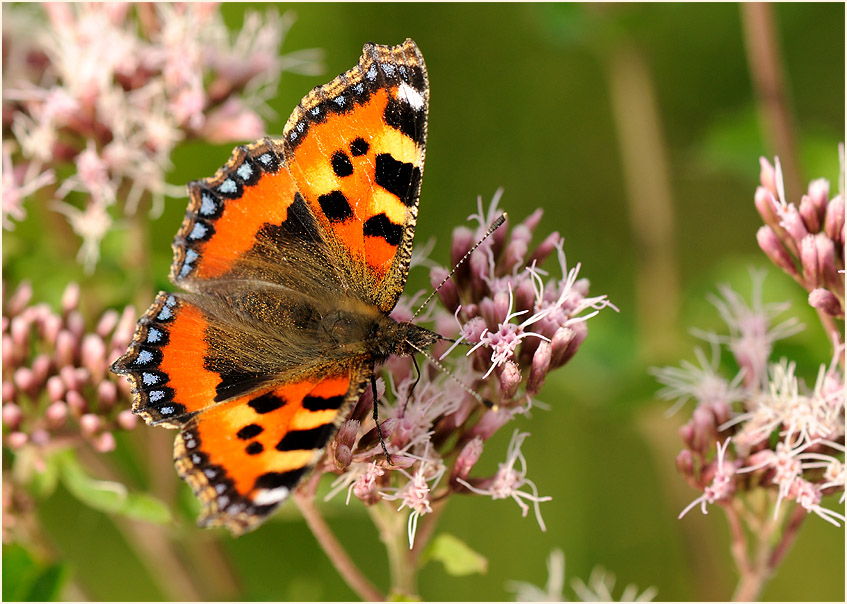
x: 107, y: 394
x: 773, y: 248
x: 19, y: 329
x: 93, y: 355
x: 65, y: 349
x: 76, y: 324
x: 41, y: 368
x: 90, y: 424
x: 19, y: 299
x: 540, y: 366
x: 105, y: 442
x: 11, y: 354
x: 765, y: 203
x: 127, y: 419
x: 834, y: 221
x: 767, y: 175
x: 544, y: 249
x: 76, y: 403
x: 705, y: 433
x: 826, y: 301
x: 462, y: 241
x: 685, y: 463
x: 489, y: 423
x: 70, y: 297
x: 793, y: 224
x: 25, y: 381
x: 510, y: 379
x: 12, y: 415
x: 107, y: 323
x: 9, y: 392
x: 819, y: 195
x: 809, y: 262
x: 56, y: 414
x: 344, y: 441
x: 50, y: 328
x: 516, y: 249
x: 467, y: 459
x: 448, y: 293
x: 827, y: 268
x: 39, y: 437
x: 17, y: 440
x: 809, y: 214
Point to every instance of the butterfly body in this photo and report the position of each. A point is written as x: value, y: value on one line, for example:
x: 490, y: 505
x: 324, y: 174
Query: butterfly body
x: 291, y: 258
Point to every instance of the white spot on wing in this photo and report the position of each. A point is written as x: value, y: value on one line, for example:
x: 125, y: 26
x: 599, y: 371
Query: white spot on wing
x: 411, y: 96
x: 270, y: 496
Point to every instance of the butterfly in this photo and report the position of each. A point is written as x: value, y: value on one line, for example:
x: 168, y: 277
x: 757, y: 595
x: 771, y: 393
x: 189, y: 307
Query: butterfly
x: 291, y: 258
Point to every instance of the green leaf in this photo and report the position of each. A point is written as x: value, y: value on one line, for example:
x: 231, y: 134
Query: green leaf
x: 458, y: 559
x: 27, y: 580
x: 110, y: 497
x: 38, y: 473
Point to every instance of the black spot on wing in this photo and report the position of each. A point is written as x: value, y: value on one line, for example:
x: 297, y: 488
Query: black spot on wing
x: 254, y: 448
x: 359, y: 147
x: 249, y: 431
x: 297, y: 440
x: 335, y: 206
x: 275, y: 480
x: 341, y: 164
x: 266, y: 403
x: 400, y: 178
x: 319, y: 403
x: 381, y: 226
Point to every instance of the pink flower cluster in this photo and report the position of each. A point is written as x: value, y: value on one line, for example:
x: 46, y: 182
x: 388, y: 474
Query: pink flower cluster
x: 806, y: 240
x: 57, y: 388
x: 102, y: 93
x: 519, y: 325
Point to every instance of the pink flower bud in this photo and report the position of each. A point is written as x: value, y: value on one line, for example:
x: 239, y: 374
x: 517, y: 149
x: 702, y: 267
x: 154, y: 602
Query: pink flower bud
x: 343, y: 457
x: 766, y: 206
x: 834, y: 222
x: 55, y: 388
x: 565, y: 345
x: 19, y: 299
x: 76, y: 323
x: 19, y: 329
x: 231, y: 122
x: 467, y: 459
x: 686, y: 434
x: 540, y: 366
x: 93, y: 355
x: 809, y: 214
x: 105, y: 442
x: 544, y: 249
x: 125, y: 329
x: 76, y: 403
x: 705, y: 431
x: 90, y: 424
x: 819, y: 194
x: 66, y: 344
x: 127, y: 419
x: 773, y: 248
x: 107, y: 323
x: 809, y: 262
x: 9, y: 392
x: 516, y: 249
x: 50, y: 328
x: 107, y: 394
x: 70, y: 297
x: 448, y: 293
x: 10, y: 352
x: 70, y: 378
x: 767, y: 175
x: 510, y: 379
x: 16, y: 440
x: 25, y: 381
x: 685, y: 463
x: 56, y: 414
x: 827, y: 268
x: 41, y: 368
x: 462, y: 241
x: 12, y: 415
x: 489, y: 423
x: 793, y: 224
x: 826, y: 301
x: 532, y: 221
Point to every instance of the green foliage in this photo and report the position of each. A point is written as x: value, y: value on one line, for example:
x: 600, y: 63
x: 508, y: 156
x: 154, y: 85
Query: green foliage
x: 25, y: 579
x: 457, y: 557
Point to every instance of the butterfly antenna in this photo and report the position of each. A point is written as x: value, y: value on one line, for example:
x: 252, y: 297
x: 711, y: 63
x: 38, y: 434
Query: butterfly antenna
x: 494, y: 226
x: 479, y: 398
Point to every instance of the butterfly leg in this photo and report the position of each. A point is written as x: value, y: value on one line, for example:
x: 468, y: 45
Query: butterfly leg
x: 414, y: 384
x: 376, y: 421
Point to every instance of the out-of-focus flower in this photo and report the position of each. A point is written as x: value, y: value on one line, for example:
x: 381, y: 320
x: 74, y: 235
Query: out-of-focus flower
x: 600, y: 586
x: 771, y: 427
x: 57, y: 389
x: 806, y: 239
x: 102, y: 93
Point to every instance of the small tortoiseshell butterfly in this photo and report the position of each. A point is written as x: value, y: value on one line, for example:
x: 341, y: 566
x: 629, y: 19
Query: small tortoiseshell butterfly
x: 292, y: 256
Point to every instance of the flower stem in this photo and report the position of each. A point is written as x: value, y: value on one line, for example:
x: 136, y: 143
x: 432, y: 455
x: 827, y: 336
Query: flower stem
x: 401, y: 560
x: 335, y: 551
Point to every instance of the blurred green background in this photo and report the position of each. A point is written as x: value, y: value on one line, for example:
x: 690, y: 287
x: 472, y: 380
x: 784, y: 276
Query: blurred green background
x: 534, y: 98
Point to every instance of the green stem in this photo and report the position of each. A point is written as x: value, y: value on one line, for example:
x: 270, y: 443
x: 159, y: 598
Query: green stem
x: 402, y: 561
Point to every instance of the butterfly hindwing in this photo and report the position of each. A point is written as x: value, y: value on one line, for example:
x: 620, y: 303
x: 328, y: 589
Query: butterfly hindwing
x: 244, y: 457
